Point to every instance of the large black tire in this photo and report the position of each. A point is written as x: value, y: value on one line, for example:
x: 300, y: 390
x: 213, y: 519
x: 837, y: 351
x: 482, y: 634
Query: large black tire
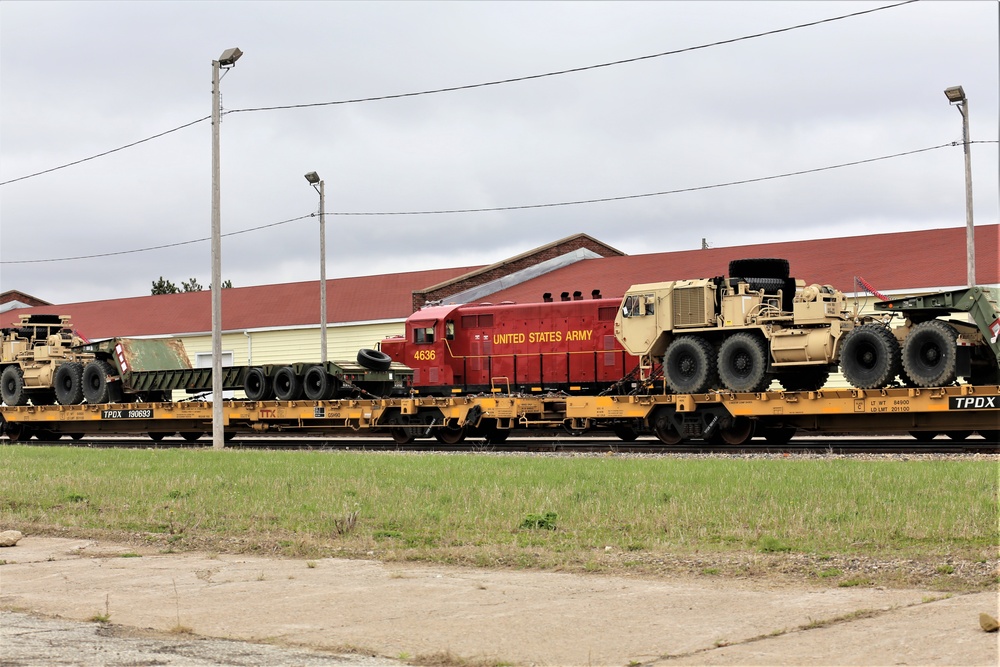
x: 761, y: 267
x: 287, y: 385
x: 374, y: 360
x: 689, y: 365
x: 42, y: 396
x: 804, y: 378
x: 768, y: 285
x: 69, y: 383
x: 257, y: 385
x: 870, y: 357
x: 319, y: 385
x: 12, y: 386
x: 743, y: 363
x: 96, y: 388
x: 930, y: 354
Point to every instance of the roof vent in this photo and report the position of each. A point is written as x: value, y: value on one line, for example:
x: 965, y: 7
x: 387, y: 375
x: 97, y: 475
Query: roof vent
x: 564, y: 296
x: 595, y: 294
x: 547, y: 297
x: 577, y: 295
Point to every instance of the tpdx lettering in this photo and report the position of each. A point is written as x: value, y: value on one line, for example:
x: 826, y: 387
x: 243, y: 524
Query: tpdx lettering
x: 974, y: 402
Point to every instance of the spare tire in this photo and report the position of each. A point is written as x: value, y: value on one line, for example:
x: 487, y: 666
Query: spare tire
x: 374, y: 360
x: 761, y: 267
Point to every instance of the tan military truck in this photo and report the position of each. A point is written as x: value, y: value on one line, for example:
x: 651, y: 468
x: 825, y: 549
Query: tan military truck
x: 742, y: 332
x: 38, y: 362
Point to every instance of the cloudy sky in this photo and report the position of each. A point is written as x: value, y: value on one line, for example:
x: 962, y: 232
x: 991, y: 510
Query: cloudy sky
x: 727, y: 103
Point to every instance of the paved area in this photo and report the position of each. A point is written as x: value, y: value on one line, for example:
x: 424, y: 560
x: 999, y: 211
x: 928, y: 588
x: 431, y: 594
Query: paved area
x: 179, y: 609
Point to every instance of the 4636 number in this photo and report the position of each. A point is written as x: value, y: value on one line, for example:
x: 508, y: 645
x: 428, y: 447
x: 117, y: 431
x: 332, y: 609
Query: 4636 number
x: 425, y: 355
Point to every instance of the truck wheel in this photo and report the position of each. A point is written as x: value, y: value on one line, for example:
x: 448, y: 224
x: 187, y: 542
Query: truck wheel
x: 761, y: 267
x: 374, y: 360
x: 69, y: 383
x: 319, y: 385
x: 42, y: 397
x: 257, y: 385
x: 12, y: 386
x: 689, y: 365
x: 870, y: 357
x: 96, y: 388
x: 804, y: 379
x: 735, y: 432
x: 743, y: 363
x: 402, y: 436
x: 448, y: 435
x: 287, y: 385
x: 930, y: 354
x: 778, y: 436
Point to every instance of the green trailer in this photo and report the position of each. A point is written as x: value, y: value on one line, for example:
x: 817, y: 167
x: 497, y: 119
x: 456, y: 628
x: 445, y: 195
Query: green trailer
x: 127, y: 370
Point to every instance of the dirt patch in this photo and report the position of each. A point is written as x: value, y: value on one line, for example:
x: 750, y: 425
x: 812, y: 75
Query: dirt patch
x: 447, y: 615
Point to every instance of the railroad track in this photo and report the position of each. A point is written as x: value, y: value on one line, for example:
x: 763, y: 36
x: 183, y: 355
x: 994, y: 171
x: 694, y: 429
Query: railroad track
x: 804, y: 445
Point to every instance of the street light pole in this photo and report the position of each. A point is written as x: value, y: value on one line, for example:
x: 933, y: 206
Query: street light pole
x: 227, y: 59
x: 314, y: 179
x: 956, y: 95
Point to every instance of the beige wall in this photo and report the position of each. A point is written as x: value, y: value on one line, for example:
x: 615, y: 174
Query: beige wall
x: 294, y: 345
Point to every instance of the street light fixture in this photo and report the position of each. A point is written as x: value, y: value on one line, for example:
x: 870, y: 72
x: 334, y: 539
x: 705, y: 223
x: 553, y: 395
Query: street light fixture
x: 313, y: 178
x: 956, y: 96
x: 227, y: 59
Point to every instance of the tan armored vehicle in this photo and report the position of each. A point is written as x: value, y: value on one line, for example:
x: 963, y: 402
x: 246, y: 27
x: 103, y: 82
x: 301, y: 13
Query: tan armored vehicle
x: 38, y: 362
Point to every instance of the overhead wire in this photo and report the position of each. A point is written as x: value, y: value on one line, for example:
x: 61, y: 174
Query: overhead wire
x: 507, y: 208
x: 471, y: 86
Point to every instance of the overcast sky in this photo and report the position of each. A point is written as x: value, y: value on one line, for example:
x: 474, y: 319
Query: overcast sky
x: 78, y: 79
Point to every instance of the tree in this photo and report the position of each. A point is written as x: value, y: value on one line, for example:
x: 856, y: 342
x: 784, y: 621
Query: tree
x: 162, y: 286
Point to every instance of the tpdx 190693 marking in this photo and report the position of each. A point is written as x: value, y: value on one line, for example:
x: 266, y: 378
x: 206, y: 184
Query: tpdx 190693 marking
x: 973, y: 402
x: 127, y: 414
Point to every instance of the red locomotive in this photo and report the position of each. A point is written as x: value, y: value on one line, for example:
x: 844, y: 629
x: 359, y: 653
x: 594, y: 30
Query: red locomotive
x: 567, y: 345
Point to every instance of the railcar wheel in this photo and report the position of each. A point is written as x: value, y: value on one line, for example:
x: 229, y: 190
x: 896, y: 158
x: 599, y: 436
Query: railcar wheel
x: 69, y: 383
x: 810, y: 378
x: 287, y: 385
x: 191, y: 436
x: 991, y: 436
x: 923, y: 436
x: 257, y: 385
x: 743, y: 363
x: 374, y: 360
x: 870, y: 357
x: 157, y: 436
x: 625, y: 433
x: 930, y: 354
x: 958, y: 435
x: 449, y: 436
x: 689, y: 365
x: 778, y: 436
x: 739, y: 431
x: 402, y: 436
x: 318, y: 384
x: 96, y: 388
x: 12, y: 386
x: 664, y: 429
x: 764, y: 267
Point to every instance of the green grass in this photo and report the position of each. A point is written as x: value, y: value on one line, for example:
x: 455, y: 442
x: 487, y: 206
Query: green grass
x: 505, y: 510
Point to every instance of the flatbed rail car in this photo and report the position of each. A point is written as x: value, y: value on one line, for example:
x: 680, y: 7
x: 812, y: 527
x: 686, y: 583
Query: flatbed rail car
x: 716, y: 417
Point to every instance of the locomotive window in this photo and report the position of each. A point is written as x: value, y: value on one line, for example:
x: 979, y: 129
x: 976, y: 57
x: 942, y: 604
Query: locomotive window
x: 468, y: 321
x: 606, y: 313
x: 449, y: 329
x: 486, y: 320
x: 423, y: 335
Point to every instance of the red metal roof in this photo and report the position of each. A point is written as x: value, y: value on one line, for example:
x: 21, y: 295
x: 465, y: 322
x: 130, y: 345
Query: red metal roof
x: 286, y: 305
x: 928, y: 259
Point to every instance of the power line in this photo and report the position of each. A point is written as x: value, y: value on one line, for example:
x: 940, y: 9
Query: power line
x: 470, y: 86
x: 574, y: 69
x: 156, y: 247
x: 508, y: 208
